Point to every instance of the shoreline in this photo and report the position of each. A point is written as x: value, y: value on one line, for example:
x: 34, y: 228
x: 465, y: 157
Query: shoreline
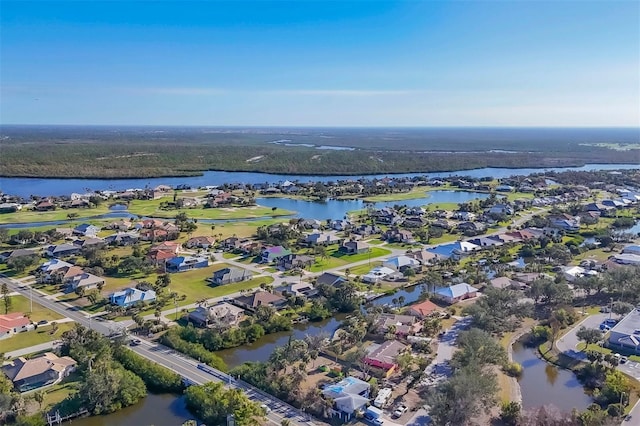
x: 199, y: 173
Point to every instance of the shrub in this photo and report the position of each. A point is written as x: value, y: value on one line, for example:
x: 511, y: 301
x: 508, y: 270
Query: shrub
x: 513, y: 369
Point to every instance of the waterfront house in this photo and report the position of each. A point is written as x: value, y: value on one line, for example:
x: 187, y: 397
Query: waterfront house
x: 131, y: 296
x: 122, y: 239
x: 401, y: 263
x: 301, y: 289
x: 379, y: 273
x: 261, y: 298
x: 423, y: 309
x: 230, y: 275
x: 456, y: 293
x: 185, y: 263
x: 34, y: 373
x: 424, y: 257
x: 400, y: 325
x: 399, y: 236
x: 222, y: 315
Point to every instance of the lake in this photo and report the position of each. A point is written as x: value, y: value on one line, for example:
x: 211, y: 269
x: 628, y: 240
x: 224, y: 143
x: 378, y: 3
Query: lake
x: 330, y: 209
x: 542, y: 383
x: 25, y: 187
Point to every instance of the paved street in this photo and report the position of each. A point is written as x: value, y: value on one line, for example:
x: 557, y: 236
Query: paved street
x: 183, y: 365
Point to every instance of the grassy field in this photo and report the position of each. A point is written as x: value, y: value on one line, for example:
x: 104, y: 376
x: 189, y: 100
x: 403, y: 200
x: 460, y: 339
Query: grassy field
x: 239, y: 229
x: 336, y: 259
x: 152, y: 208
x: 35, y: 337
x: 22, y: 304
x: 363, y: 269
x: 62, y: 390
x: 27, y: 216
x: 421, y: 192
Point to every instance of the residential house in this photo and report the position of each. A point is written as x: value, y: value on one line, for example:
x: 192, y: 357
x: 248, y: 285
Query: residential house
x: 626, y: 259
x: 260, y: 298
x: 380, y: 273
x: 505, y: 282
x: 486, y: 242
x: 45, y: 205
x: 122, y: 239
x: 367, y: 230
x: 14, y: 254
x: 340, y: 225
x: 86, y: 230
x: 230, y: 275
x: 34, y: 373
x: 185, y: 263
x: 466, y: 216
x: 384, y: 356
x: 131, y: 296
x: 154, y: 235
x: 13, y: 323
x: 270, y: 254
x: 321, y: 239
x: 90, y: 242
x: 223, y: 315
x: 85, y: 280
x: 504, y: 188
x: 53, y: 265
x: 301, y: 289
x: 424, y: 257
x: 295, y: 261
x: 400, y: 325
x: 631, y: 249
x: 354, y: 247
x: 62, y: 250
x: 121, y: 225
x: 565, y: 222
x: 414, y: 222
x: 350, y: 395
x: 500, y: 210
x: 443, y: 223
x: 456, y: 293
x: 423, y: 309
x: 399, y: 236
x: 330, y: 279
x: 471, y: 228
x: 401, y: 263
x: 200, y: 242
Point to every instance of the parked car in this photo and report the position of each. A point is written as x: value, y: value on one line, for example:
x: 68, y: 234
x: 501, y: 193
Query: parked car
x: 400, y: 410
x: 135, y: 342
x: 42, y: 322
x: 610, y: 322
x: 265, y: 408
x: 623, y: 360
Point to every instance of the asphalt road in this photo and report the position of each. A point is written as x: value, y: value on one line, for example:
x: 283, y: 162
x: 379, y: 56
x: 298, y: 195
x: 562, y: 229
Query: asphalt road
x: 179, y: 363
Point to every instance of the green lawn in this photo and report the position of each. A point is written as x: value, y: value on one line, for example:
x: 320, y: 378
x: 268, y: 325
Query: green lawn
x: 336, y: 259
x: 35, y: 337
x: 59, y: 392
x: 27, y: 216
x: 152, y: 208
x: 228, y: 255
x: 22, y: 304
x: 363, y: 269
x: 399, y: 196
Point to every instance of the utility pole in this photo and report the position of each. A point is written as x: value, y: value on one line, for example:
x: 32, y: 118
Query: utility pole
x: 31, y: 298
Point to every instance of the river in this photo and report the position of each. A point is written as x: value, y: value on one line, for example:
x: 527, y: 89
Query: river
x: 542, y: 383
x: 24, y: 187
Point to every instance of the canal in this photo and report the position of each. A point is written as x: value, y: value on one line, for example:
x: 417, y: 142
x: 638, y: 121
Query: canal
x: 154, y: 409
x: 542, y: 383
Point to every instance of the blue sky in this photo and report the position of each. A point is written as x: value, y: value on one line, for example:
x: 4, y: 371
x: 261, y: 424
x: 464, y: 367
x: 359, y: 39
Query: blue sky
x: 241, y: 63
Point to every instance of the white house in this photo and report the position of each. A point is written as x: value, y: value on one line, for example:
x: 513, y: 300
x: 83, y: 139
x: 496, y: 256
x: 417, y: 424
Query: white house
x: 378, y: 273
